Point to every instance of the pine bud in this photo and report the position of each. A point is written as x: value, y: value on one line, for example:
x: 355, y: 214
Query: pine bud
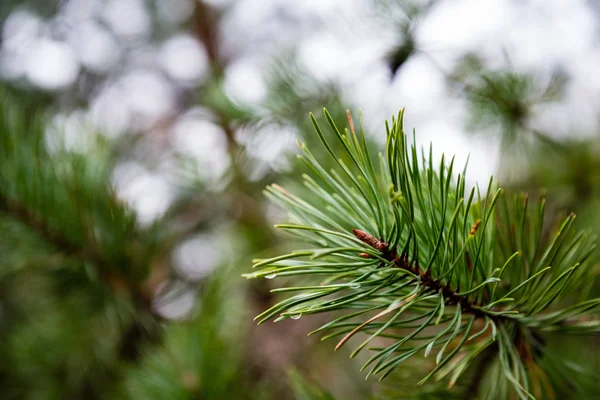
x: 475, y: 227
x: 369, y: 239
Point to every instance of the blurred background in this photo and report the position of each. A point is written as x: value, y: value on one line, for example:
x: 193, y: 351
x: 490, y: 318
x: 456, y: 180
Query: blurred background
x: 189, y: 109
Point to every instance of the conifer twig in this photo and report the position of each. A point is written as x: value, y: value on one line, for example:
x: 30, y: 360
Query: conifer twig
x: 405, y: 241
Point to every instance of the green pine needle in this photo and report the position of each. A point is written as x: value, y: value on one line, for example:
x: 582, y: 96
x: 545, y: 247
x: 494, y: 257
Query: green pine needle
x: 412, y: 259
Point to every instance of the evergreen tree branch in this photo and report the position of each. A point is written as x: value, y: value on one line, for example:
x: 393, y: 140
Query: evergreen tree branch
x: 65, y: 200
x: 406, y: 241
x: 65, y: 246
x: 424, y: 277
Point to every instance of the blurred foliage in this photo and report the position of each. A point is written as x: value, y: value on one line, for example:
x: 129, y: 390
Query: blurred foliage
x: 504, y: 100
x: 45, y: 7
x: 67, y: 240
x: 305, y: 390
x: 405, y: 17
x: 201, y: 358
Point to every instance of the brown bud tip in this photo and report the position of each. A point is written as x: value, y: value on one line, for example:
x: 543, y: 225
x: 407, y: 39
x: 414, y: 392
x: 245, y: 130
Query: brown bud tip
x: 361, y: 235
x: 475, y: 227
x: 366, y: 238
x: 364, y: 255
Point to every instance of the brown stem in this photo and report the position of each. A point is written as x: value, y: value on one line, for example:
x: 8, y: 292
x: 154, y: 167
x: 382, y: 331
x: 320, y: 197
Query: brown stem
x: 425, y: 277
x: 205, y: 27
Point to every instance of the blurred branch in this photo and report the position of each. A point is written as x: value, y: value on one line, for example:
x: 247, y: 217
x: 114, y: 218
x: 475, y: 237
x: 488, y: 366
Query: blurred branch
x: 105, y: 269
x: 205, y: 26
x: 144, y: 327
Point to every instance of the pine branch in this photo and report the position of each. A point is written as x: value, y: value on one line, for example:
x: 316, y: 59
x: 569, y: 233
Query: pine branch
x: 444, y: 260
x: 105, y: 269
x: 65, y: 200
x: 58, y: 240
x: 424, y: 278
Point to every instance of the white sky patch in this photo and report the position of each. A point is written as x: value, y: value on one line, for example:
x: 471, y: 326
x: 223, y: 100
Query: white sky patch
x: 260, y: 28
x: 12, y: 62
x: 239, y: 25
x: 52, y: 64
x: 148, y: 193
x: 142, y: 57
x: 195, y: 136
x: 81, y: 10
x: 174, y: 301
x: 576, y: 115
x: 20, y: 34
x: 550, y: 34
x: 321, y: 7
x: 366, y: 94
x: 94, y: 46
x: 270, y: 143
x: 197, y: 257
x: 561, y: 34
x: 128, y: 18
x: 420, y: 87
x: 454, y: 27
x: 244, y: 82
x: 20, y: 27
x: 448, y: 137
x: 183, y: 58
x: 148, y: 94
x: 269, y: 146
x: 323, y: 56
x: 108, y: 113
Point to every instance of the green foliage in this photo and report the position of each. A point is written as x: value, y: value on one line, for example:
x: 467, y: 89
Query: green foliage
x: 75, y: 207
x: 407, y: 255
x: 401, y: 384
x: 506, y: 100
x: 198, y: 359
x: 305, y: 390
x: 52, y: 346
x: 78, y: 276
x: 405, y: 17
x: 46, y: 7
x: 72, y: 263
x: 568, y: 169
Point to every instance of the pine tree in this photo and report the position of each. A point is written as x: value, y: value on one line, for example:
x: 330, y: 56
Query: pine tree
x: 404, y: 253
